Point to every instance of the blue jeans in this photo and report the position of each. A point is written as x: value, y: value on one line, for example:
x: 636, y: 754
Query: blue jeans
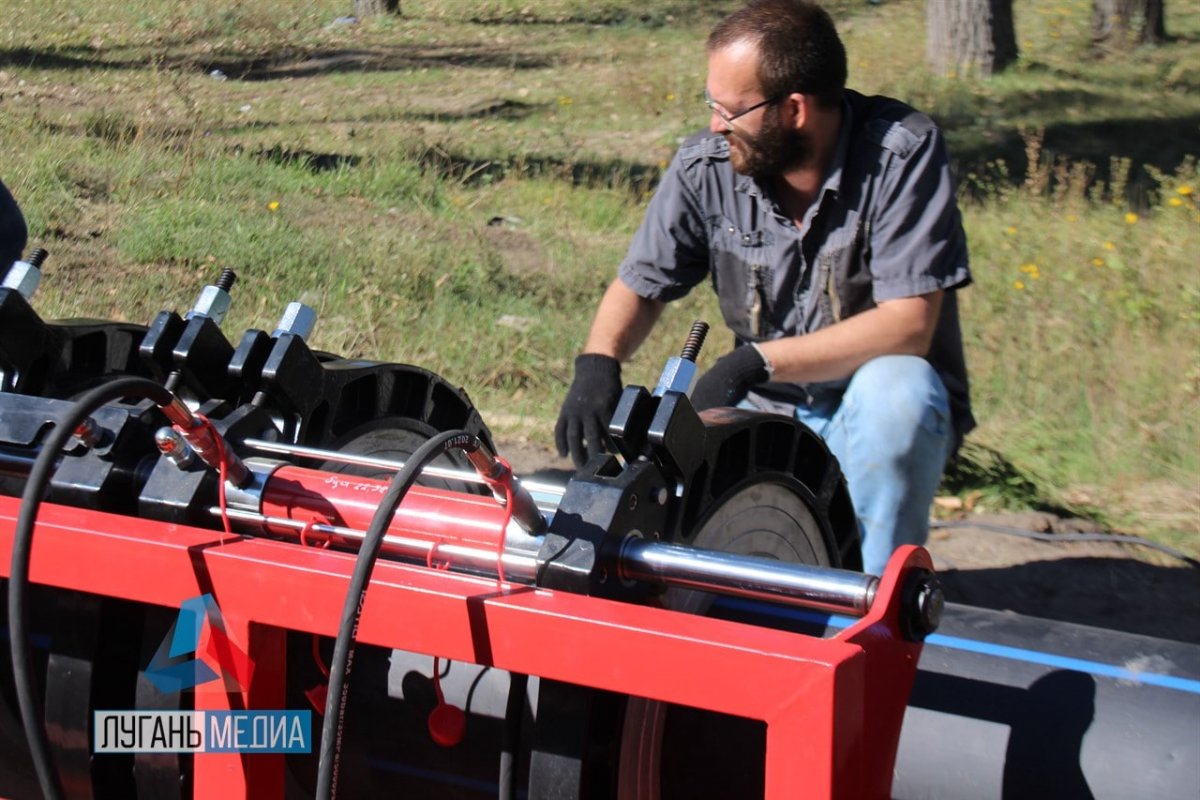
x: 891, y: 433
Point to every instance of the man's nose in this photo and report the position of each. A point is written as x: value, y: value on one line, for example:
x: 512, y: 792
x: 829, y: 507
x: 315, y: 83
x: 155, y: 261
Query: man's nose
x: 717, y: 123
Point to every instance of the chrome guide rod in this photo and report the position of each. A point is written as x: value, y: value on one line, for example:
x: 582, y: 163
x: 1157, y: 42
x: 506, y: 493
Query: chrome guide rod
x: 817, y: 588
x: 820, y: 588
x: 547, y: 494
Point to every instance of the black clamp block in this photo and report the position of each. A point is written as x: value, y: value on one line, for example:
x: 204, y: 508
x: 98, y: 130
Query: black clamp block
x: 581, y: 551
x: 25, y: 343
x: 676, y: 436
x: 202, y: 357
x: 159, y: 343
x: 108, y: 475
x: 292, y: 380
x: 631, y: 420
x: 185, y: 495
x: 246, y: 364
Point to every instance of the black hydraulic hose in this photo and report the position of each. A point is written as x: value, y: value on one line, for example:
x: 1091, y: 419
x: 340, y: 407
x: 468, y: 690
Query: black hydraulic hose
x: 510, y: 741
x: 343, y: 647
x: 18, y: 584
x: 1062, y: 538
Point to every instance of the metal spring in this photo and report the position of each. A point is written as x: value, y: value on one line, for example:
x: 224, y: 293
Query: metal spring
x: 227, y: 279
x: 695, y: 340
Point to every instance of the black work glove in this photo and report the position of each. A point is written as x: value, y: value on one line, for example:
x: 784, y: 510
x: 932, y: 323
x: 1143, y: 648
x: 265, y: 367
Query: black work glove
x: 730, y: 378
x: 582, y: 425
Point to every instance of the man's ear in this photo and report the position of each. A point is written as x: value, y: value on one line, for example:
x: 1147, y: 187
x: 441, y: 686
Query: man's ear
x: 797, y: 105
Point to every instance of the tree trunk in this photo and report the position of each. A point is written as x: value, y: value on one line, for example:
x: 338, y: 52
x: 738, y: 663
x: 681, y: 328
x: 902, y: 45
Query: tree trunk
x: 371, y: 8
x: 1128, y: 23
x: 969, y: 37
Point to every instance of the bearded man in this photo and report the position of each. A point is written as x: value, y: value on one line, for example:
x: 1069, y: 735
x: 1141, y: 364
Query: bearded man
x: 827, y: 223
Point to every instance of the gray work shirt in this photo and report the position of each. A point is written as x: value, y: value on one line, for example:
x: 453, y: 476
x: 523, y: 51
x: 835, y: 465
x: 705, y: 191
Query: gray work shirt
x: 885, y: 225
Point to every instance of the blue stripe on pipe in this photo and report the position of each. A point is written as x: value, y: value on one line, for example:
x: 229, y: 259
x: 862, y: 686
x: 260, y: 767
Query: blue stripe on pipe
x: 38, y: 641
x: 437, y: 776
x: 983, y: 648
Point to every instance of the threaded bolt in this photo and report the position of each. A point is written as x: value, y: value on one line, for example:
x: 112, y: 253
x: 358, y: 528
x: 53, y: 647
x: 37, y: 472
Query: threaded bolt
x: 227, y: 279
x: 37, y: 256
x: 695, y: 340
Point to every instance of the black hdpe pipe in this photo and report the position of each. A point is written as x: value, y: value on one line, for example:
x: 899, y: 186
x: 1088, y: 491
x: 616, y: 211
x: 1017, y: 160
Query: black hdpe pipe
x: 1008, y: 706
x: 1011, y: 707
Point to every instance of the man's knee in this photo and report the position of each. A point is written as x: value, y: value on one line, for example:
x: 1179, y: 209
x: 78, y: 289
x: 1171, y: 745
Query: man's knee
x: 898, y: 399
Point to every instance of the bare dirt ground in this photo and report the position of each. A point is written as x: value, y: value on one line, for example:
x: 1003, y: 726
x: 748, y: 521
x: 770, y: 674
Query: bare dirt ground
x: 988, y: 560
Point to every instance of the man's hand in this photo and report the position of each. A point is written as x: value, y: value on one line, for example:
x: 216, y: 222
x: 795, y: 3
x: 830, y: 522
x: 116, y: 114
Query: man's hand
x: 582, y: 427
x: 730, y: 378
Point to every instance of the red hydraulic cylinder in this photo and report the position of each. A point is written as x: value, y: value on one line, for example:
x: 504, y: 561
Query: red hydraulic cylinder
x: 434, y: 516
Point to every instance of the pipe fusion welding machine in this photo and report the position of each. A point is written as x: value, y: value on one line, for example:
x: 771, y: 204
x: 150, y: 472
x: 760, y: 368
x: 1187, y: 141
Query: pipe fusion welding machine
x: 254, y: 569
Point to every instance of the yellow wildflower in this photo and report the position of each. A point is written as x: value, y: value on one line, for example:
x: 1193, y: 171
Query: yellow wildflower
x: 1010, y: 230
x: 565, y: 101
x: 1109, y: 246
x: 1175, y: 202
x: 1097, y: 262
x: 273, y: 205
x: 1130, y: 217
x: 1185, y: 190
x: 1018, y: 285
x: 670, y: 96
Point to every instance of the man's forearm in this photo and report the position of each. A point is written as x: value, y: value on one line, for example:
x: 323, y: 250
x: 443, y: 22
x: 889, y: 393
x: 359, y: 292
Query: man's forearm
x: 622, y: 322
x: 896, y: 327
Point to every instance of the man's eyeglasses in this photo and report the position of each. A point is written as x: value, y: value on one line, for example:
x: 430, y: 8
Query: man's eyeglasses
x: 724, y: 114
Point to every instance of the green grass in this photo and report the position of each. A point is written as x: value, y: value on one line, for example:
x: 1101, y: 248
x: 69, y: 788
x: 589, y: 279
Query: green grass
x: 356, y: 168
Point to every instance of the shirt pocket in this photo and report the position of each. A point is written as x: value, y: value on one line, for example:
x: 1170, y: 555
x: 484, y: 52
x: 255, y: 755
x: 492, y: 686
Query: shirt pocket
x: 742, y: 276
x: 841, y: 284
x: 825, y: 301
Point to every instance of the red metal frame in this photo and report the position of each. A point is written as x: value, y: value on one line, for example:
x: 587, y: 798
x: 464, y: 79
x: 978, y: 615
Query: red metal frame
x: 832, y: 707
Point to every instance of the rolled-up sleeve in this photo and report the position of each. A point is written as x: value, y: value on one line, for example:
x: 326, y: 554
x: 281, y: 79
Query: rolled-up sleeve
x: 917, y: 240
x: 669, y: 252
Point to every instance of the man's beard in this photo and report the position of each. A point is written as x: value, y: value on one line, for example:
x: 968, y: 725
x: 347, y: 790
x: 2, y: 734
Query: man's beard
x: 771, y: 153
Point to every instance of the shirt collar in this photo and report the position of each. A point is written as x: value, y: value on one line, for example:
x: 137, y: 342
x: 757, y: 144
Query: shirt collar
x: 833, y: 181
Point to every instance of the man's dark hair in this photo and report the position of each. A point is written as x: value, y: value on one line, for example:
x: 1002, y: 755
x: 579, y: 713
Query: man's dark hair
x: 798, y: 46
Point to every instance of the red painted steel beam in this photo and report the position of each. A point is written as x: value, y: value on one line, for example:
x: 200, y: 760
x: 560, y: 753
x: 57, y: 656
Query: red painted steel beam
x: 814, y: 694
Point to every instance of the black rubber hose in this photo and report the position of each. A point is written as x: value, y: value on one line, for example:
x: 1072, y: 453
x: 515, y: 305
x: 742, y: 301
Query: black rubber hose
x: 18, y: 584
x: 1062, y: 538
x: 510, y: 741
x: 343, y: 647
